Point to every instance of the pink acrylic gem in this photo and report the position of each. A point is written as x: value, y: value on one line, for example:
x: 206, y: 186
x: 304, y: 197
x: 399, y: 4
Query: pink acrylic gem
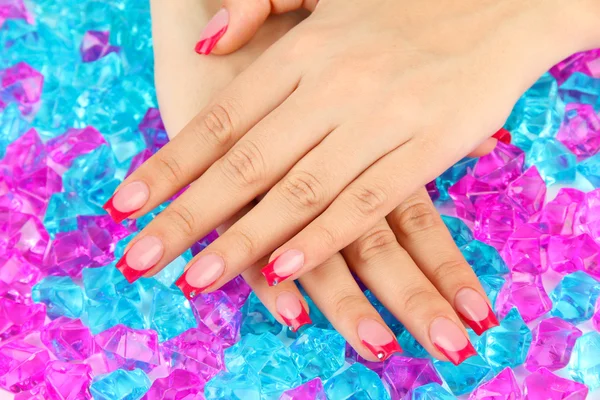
x: 14, y: 9
x: 14, y: 268
x: 544, y: 385
x: 152, y: 120
x: 495, y: 221
x: 23, y: 233
x: 22, y: 365
x: 503, y: 386
x: 560, y: 214
x: 588, y: 217
x: 237, y: 290
x: 525, y: 292
x: 95, y: 45
x: 35, y: 190
x: 130, y: 348
x: 103, y: 234
x: 68, y: 254
x: 580, y: 131
x: 501, y: 166
x: 19, y: 316
x: 552, y: 344
x: 25, y: 155
x: 68, y: 339
x: 353, y: 357
x: 138, y: 160
x: 467, y: 193
x: 401, y: 374
x: 526, y: 249
x: 68, y: 381
x: 74, y: 143
x: 179, y: 385
x: 584, y: 62
x: 528, y: 191
x: 596, y: 317
x: 574, y: 253
x: 197, y: 350
x: 219, y: 314
x: 24, y: 83
x: 36, y: 393
x: 311, y: 390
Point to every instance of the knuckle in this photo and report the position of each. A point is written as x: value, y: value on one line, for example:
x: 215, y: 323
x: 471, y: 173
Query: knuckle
x: 217, y: 125
x: 346, y: 302
x: 244, y: 164
x: 327, y: 237
x: 182, y: 218
x: 375, y: 243
x: 417, y: 216
x: 449, y: 268
x: 368, y: 200
x: 170, y: 168
x: 245, y: 242
x: 417, y: 298
x: 303, y: 190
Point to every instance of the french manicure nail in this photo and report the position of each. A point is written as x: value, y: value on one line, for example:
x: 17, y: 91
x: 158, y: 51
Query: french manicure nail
x: 142, y: 256
x: 282, y: 267
x: 503, y: 136
x: 214, y: 30
x: 377, y: 339
x: 475, y: 311
x: 127, y: 200
x: 450, y: 340
x: 203, y: 273
x: 292, y: 311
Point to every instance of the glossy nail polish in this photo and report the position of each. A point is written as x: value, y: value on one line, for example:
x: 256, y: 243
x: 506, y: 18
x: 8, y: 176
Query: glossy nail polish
x: 127, y: 200
x: 375, y: 337
x: 214, y: 30
x: 474, y: 310
x: 451, y: 340
x: 142, y: 256
x: 291, y: 310
x: 202, y: 274
x: 503, y: 136
x: 282, y: 267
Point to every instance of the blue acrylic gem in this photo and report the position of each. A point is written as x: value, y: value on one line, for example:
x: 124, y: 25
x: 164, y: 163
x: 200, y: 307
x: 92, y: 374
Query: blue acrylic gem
x: 492, y: 285
x: 256, y: 319
x: 465, y: 377
x: 12, y: 126
x: 170, y: 313
x: 590, y: 169
x: 410, y: 346
x: 122, y: 244
x: 574, y: 297
x: 460, y: 232
x: 431, y: 391
x: 580, y: 88
x: 453, y: 175
x: 484, y: 259
x: 389, y: 318
x: 169, y: 274
x: 318, y: 353
x: 356, y: 382
x: 61, y: 295
x: 120, y: 385
x: 554, y: 161
x: 505, y: 345
x: 584, y: 365
x: 241, y: 385
x: 126, y: 141
x: 63, y: 209
x: 99, y: 316
x: 144, y: 220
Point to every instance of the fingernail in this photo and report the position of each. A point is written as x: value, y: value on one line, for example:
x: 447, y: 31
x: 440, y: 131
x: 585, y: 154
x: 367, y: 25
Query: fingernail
x: 284, y: 266
x: 451, y: 340
x: 127, y: 200
x: 503, y: 136
x: 475, y: 311
x: 141, y: 257
x: 214, y: 30
x: 203, y: 273
x: 377, y: 339
x: 292, y: 311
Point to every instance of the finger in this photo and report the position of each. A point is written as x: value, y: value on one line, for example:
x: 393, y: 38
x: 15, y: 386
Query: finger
x: 336, y: 293
x: 394, y: 278
x: 255, y: 93
x: 420, y: 230
x: 239, y: 20
x: 485, y: 148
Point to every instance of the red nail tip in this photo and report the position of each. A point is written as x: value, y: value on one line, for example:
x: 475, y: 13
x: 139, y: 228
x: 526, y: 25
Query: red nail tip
x: 115, y: 214
x: 503, y: 136
x: 457, y: 357
x: 298, y: 322
x: 269, y: 273
x: 129, y: 273
x: 479, y: 327
x: 206, y: 46
x: 383, y: 352
x: 188, y: 290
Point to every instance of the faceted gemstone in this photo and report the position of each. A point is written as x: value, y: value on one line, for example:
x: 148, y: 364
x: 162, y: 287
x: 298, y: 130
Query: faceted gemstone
x: 179, y: 385
x: 61, y: 295
x: 68, y: 381
x: 410, y: 346
x: 492, y: 284
x: 95, y: 45
x: 129, y: 348
x: 553, y: 160
x: 584, y: 62
x: 169, y: 274
x: 64, y: 149
x: 256, y: 319
x: 171, y: 313
x: 318, y: 353
x: 311, y: 390
x: 38, y: 392
x: 23, y: 84
x: 528, y: 191
x: 484, y: 259
x: 63, y: 210
x: 580, y: 88
x: 204, y: 242
x: 525, y: 292
x: 244, y: 385
x: 21, y: 365
x: 503, y: 386
x: 501, y: 166
x: 552, y: 344
x: 26, y: 154
x: 401, y: 374
x: 356, y: 382
x: 505, y: 345
x: 574, y: 253
x: 120, y: 385
x: 238, y: 291
x: 267, y: 357
x: 68, y: 254
x: 464, y: 377
x: 125, y: 141
x: 353, y: 357
x: 390, y: 320
x: 544, y: 385
x: 559, y: 215
x: 103, y: 234
x: 497, y: 220
x: 24, y: 233
x: 431, y: 391
x: 219, y: 314
x: 468, y: 193
x: 590, y: 169
x: 574, y: 298
x: 68, y: 339
x: 588, y: 218
x: 197, y: 350
x: 458, y: 229
x: 596, y: 317
x: 138, y: 160
x: 33, y: 191
x: 580, y: 131
x: 585, y: 360
x: 18, y: 316
x: 432, y: 191
x: 453, y: 175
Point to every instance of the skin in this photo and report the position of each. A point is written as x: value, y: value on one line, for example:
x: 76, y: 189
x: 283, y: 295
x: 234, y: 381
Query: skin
x: 300, y: 86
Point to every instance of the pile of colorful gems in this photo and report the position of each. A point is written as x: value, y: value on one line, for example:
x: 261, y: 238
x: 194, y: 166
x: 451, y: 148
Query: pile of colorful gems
x: 78, y: 114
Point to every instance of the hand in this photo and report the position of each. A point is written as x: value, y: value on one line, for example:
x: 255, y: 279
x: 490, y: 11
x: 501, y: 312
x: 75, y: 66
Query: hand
x: 421, y: 298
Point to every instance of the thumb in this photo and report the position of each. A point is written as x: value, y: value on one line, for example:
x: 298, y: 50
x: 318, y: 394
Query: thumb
x: 237, y: 22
